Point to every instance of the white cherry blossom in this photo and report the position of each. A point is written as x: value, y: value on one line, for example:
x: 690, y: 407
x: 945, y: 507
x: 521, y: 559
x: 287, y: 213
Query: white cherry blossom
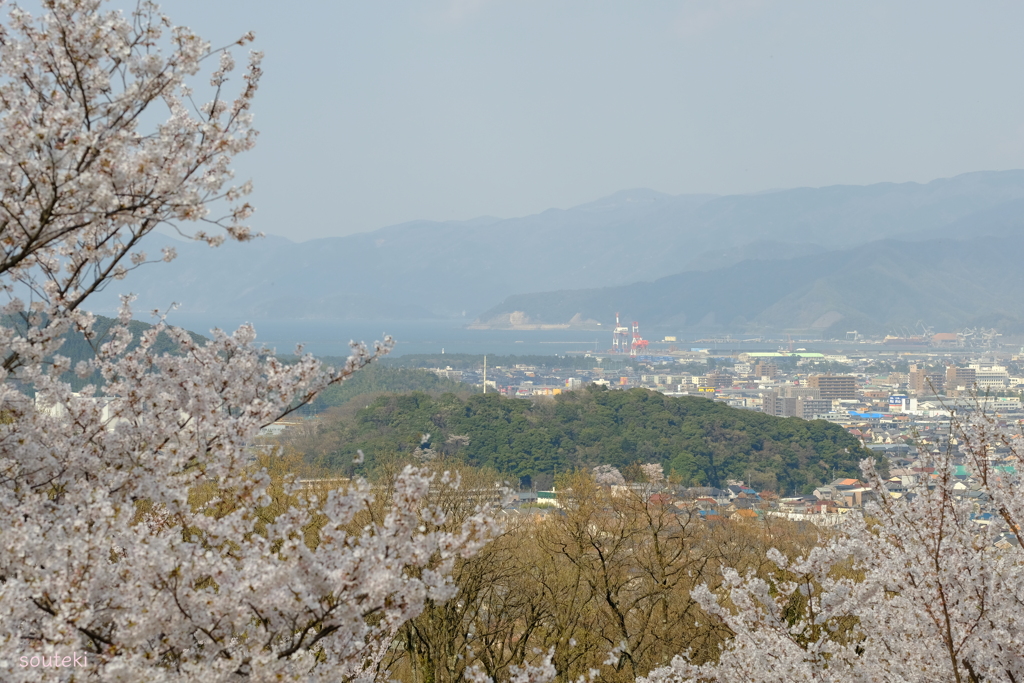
x: 925, y: 587
x: 101, y: 550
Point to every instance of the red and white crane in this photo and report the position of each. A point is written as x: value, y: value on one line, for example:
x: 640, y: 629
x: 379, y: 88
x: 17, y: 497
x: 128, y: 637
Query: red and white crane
x: 620, y: 337
x: 639, y: 345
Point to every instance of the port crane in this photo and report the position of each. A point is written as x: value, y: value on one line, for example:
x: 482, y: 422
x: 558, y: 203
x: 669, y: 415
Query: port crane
x: 628, y: 341
x: 639, y: 346
x: 620, y: 337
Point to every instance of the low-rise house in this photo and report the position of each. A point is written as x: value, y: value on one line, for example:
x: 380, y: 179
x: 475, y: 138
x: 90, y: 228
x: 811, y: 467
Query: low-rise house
x: 745, y: 515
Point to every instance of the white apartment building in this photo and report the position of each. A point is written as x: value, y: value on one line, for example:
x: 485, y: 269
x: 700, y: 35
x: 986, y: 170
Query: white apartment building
x: 990, y: 376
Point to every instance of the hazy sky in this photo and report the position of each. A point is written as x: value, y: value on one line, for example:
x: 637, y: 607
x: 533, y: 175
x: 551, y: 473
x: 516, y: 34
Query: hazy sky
x: 373, y: 113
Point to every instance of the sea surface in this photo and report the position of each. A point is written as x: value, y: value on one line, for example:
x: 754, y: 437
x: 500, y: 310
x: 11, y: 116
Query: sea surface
x: 331, y: 338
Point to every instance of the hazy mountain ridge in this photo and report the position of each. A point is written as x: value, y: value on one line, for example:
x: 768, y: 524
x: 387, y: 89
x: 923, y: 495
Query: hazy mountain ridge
x: 877, y: 287
x: 456, y: 269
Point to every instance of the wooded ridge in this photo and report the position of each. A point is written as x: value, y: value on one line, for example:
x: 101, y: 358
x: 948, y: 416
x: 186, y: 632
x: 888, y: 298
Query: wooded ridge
x: 697, y: 440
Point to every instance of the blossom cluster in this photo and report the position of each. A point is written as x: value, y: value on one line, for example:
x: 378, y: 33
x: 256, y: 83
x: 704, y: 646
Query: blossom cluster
x: 924, y: 587
x: 102, y: 549
x: 105, y: 551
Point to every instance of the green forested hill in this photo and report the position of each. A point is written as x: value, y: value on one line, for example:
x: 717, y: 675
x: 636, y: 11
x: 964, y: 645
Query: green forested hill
x: 77, y: 348
x: 377, y: 378
x: 697, y: 439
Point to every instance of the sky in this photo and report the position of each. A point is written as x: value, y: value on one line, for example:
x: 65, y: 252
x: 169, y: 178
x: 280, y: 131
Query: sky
x: 376, y: 113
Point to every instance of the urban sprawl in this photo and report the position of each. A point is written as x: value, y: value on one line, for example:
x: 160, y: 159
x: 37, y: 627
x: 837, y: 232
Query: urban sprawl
x: 897, y: 395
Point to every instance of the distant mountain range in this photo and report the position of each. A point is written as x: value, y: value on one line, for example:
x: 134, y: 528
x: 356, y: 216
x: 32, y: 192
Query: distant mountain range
x: 882, y: 286
x: 880, y: 255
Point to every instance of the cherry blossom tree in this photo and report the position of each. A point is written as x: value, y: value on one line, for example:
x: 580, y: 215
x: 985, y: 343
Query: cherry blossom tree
x: 608, y: 475
x: 653, y: 472
x: 109, y: 570
x: 925, y: 587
